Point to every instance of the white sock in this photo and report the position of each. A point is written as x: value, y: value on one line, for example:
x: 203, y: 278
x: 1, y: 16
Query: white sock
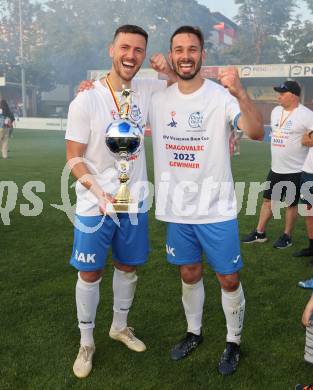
x: 193, y: 300
x: 87, y: 299
x: 124, y: 286
x: 234, y: 309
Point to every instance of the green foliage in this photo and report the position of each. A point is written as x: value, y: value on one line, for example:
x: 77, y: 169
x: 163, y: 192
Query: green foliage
x: 37, y: 72
x: 79, y: 33
x: 65, y: 38
x: 298, y: 42
x: 244, y: 51
x: 261, y: 23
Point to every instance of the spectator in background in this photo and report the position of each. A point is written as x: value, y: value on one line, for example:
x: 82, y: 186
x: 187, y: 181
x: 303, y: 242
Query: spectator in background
x: 291, y: 123
x: 6, y: 123
x: 234, y: 142
x: 306, y: 197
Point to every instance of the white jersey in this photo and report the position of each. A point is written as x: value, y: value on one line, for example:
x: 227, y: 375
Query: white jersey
x: 308, y: 163
x: 193, y: 179
x: 288, y: 128
x: 89, y: 116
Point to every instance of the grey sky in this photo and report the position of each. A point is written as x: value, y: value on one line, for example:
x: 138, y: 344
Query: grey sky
x: 229, y: 8
x: 226, y: 7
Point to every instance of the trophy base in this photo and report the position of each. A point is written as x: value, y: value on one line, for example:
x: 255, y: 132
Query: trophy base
x: 129, y: 208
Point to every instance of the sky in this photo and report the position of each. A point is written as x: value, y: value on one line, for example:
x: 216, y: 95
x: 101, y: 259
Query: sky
x: 229, y: 8
x: 226, y: 7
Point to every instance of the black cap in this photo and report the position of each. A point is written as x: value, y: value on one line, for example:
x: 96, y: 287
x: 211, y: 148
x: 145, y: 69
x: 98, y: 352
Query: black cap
x: 289, y: 86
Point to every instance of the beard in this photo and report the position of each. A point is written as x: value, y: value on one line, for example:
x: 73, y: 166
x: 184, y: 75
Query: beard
x: 191, y: 75
x: 125, y: 74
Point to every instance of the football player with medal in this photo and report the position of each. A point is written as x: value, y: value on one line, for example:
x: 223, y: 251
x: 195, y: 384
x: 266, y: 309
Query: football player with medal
x: 94, y: 166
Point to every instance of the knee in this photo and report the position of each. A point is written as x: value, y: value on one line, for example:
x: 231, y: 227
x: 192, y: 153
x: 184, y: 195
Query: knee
x: 229, y: 283
x: 124, y: 267
x: 90, y: 277
x: 267, y: 203
x: 191, y: 273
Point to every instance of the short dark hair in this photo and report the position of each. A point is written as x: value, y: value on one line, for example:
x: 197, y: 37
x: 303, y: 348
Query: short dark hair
x: 189, y: 30
x: 131, y: 29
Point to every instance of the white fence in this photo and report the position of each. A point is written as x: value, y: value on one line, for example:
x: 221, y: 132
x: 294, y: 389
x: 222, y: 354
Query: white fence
x: 41, y: 123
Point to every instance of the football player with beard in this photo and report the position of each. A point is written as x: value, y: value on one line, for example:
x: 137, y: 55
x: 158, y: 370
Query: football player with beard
x: 90, y: 114
x: 194, y: 185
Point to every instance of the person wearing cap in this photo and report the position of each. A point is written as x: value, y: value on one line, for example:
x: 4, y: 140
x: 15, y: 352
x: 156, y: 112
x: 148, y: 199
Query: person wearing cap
x: 292, y: 124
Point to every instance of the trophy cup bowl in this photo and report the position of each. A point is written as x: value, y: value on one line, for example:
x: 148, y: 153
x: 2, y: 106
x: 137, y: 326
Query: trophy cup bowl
x: 124, y: 139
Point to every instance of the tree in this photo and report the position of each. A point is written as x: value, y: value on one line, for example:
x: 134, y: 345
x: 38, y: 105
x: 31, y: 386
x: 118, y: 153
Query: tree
x: 10, y: 45
x: 68, y: 41
x: 77, y: 34
x: 64, y: 38
x: 297, y: 41
x: 261, y: 22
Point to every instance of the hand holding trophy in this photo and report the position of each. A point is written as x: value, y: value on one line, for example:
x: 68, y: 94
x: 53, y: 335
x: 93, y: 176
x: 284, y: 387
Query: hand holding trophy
x: 124, y: 138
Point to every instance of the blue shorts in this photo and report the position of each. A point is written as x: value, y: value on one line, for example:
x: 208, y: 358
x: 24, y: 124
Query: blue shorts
x: 130, y: 243
x: 219, y: 241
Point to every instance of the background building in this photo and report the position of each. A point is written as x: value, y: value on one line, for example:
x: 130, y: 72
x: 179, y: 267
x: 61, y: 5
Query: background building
x: 260, y: 80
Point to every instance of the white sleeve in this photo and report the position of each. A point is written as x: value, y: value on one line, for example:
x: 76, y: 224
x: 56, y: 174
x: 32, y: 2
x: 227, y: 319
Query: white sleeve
x: 150, y: 112
x: 78, y: 121
x: 151, y: 85
x: 158, y: 85
x: 309, y: 121
x: 148, y: 87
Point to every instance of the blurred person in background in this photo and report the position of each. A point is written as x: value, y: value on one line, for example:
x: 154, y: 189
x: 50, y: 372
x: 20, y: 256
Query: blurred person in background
x: 306, y: 198
x: 6, y: 124
x: 307, y: 318
x: 234, y: 142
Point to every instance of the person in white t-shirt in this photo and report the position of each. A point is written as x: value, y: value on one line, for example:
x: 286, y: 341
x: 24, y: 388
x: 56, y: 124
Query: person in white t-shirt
x: 306, y: 197
x: 90, y: 114
x: 191, y: 124
x: 290, y: 122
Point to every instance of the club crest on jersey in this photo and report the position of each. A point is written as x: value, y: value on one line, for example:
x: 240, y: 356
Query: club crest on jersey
x: 172, y: 123
x: 195, y: 120
x: 135, y: 113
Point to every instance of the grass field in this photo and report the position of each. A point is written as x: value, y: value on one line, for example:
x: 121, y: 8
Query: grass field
x: 39, y: 334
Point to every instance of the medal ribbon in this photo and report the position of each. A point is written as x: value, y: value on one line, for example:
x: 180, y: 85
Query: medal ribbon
x: 283, y: 120
x: 118, y: 106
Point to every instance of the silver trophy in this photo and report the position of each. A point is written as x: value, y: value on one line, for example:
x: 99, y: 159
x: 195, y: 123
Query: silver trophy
x: 124, y: 139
